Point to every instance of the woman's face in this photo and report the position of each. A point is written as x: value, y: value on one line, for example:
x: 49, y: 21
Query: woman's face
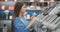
x: 23, y: 9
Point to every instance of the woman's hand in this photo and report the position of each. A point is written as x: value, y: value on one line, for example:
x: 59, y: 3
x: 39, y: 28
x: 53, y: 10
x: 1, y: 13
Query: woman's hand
x: 32, y: 18
x: 32, y: 21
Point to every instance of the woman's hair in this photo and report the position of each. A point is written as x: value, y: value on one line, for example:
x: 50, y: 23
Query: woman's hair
x: 17, y: 10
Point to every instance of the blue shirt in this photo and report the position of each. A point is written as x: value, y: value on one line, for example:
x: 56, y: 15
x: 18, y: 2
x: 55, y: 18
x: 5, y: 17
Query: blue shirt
x: 20, y: 26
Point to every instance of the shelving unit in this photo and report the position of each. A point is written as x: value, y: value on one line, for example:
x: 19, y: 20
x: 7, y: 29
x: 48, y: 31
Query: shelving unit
x: 6, y: 13
x: 12, y: 3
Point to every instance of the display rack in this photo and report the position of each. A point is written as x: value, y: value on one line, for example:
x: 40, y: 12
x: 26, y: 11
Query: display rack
x: 12, y: 3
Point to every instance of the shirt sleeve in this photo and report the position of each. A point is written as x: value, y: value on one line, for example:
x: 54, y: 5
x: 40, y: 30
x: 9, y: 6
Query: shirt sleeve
x: 19, y: 26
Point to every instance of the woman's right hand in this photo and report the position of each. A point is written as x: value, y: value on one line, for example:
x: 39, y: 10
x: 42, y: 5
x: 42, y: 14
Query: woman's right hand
x: 32, y: 21
x: 32, y: 18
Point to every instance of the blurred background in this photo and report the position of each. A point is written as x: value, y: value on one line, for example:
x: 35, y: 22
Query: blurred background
x: 34, y: 7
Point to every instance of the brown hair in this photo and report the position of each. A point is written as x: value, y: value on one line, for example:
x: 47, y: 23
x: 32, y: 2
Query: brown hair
x: 17, y: 10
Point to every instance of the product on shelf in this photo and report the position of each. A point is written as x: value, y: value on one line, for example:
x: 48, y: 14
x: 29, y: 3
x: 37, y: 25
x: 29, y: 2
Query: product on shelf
x: 2, y: 0
x: 15, y: 0
x: 11, y: 0
x: 3, y: 7
x: 11, y: 7
x: 6, y: 0
x: 36, y: 0
x: 57, y: 0
x: 31, y: 0
x: 46, y: 0
x: 41, y: 0
x: 2, y: 15
x: 51, y: 0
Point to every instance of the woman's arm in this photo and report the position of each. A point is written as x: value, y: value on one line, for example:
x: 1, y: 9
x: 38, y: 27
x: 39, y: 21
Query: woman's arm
x: 31, y: 23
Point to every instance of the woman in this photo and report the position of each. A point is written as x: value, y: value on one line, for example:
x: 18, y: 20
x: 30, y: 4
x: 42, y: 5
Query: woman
x: 19, y: 21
